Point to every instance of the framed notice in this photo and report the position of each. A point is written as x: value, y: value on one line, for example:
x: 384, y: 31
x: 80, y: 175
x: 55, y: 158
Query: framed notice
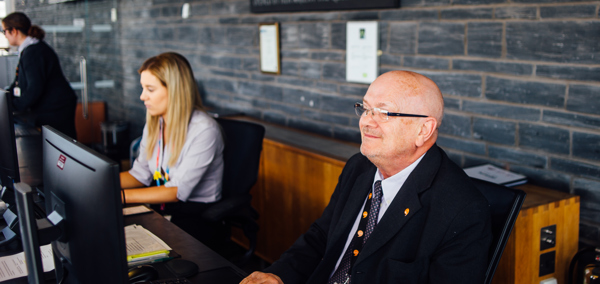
x: 270, y: 60
x: 362, y: 45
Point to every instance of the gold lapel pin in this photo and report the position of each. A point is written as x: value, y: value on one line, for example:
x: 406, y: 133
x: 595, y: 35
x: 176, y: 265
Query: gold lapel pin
x: 406, y: 211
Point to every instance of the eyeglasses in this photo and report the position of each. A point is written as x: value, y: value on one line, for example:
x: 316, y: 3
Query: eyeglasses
x: 380, y: 114
x: 4, y: 31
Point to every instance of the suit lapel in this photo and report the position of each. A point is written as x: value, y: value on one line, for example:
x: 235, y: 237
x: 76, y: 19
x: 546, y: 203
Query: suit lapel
x: 356, y: 199
x: 408, y: 197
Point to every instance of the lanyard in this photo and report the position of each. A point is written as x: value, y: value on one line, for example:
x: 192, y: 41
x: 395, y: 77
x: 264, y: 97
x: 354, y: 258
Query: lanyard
x: 160, y: 153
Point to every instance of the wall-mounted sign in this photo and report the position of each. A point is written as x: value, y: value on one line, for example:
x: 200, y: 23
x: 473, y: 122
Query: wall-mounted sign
x: 269, y: 48
x: 268, y: 6
x: 362, y: 45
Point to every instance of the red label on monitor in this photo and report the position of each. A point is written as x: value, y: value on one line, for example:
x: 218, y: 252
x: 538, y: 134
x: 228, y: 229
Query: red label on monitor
x: 61, y: 162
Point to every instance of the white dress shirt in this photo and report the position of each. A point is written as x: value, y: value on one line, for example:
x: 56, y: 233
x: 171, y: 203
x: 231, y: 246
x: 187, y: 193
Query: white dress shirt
x: 389, y: 187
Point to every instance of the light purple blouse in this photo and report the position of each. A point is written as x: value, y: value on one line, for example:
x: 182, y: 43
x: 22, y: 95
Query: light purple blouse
x: 198, y: 171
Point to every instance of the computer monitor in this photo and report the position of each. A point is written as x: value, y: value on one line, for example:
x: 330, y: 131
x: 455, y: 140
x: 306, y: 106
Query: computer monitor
x: 9, y: 163
x: 84, y: 188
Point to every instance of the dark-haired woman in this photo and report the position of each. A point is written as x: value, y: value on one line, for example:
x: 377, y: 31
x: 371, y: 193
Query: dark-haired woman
x: 40, y: 89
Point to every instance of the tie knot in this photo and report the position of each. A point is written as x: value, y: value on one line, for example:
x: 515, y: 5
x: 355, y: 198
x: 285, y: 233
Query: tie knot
x: 377, y: 191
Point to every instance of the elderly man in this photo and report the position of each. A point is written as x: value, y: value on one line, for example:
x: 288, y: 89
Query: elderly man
x: 402, y: 212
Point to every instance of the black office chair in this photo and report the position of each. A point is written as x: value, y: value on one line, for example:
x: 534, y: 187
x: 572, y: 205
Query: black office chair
x: 243, y: 144
x: 505, y: 204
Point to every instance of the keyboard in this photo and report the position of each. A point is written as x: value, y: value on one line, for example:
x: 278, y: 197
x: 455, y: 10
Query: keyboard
x: 171, y: 281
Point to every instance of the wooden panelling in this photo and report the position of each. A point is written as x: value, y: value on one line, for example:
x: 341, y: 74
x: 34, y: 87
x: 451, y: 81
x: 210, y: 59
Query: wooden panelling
x: 293, y: 189
x: 521, y: 258
x: 88, y: 129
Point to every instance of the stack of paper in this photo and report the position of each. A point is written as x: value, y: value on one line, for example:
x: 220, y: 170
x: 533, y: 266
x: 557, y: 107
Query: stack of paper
x: 496, y: 175
x: 143, y: 246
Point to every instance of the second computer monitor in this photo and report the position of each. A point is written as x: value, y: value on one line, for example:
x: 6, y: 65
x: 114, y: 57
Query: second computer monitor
x: 84, y: 187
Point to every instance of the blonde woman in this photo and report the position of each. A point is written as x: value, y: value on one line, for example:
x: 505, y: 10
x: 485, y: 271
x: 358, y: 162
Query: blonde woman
x: 180, y: 164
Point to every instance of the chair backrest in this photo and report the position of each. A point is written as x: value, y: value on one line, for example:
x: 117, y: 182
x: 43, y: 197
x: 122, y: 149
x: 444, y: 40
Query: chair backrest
x: 505, y: 204
x: 243, y: 144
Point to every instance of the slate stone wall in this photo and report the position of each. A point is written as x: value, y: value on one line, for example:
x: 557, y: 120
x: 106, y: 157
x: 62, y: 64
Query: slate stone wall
x: 521, y: 78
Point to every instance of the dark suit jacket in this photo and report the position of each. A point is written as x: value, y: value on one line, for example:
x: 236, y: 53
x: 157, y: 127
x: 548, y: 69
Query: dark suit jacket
x: 46, y: 96
x: 445, y: 237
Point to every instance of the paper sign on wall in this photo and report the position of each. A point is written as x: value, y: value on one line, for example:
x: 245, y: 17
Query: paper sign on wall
x: 362, y: 44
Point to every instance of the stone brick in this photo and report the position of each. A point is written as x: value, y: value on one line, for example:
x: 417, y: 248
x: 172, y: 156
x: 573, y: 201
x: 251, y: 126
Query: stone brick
x: 515, y: 12
x: 359, y: 16
x: 289, y: 68
x: 192, y: 34
x: 274, y: 117
x: 351, y: 134
x: 495, y: 131
x: 484, y: 39
x: 450, y: 103
x: 309, y: 70
x: 575, y: 11
x: 403, y: 38
x: 477, y: 2
x: 222, y: 85
x: 544, y: 178
x: 389, y: 59
x: 338, y: 36
x: 586, y: 146
x: 323, y: 86
x: 570, y: 119
x: 584, y: 98
x: 472, y: 161
x: 456, y: 125
x: 575, y: 168
x: 289, y: 36
x: 589, y: 234
x: 423, y: 3
x: 230, y: 74
x: 290, y: 110
x: 314, y: 35
x: 525, y: 92
x: 296, y: 81
x: 573, y: 42
x: 331, y: 56
x: 250, y: 64
x: 409, y: 15
x: 465, y: 14
x: 441, y: 38
x: 218, y: 35
x: 312, y: 17
x: 462, y: 145
x: 384, y: 28
x: 359, y: 92
x: 427, y: 62
x: 241, y: 36
x: 342, y: 105
x: 294, y: 54
x: 230, y: 8
x: 300, y: 97
x: 334, y: 71
x: 230, y: 62
x: 465, y: 85
x: 492, y: 66
x: 229, y: 21
x: 589, y: 192
x: 310, y: 126
x: 326, y: 117
x: 505, y: 111
x: 263, y: 77
x: 569, y: 72
x: 518, y: 157
x: 199, y: 9
x: 545, y: 138
x: 457, y: 158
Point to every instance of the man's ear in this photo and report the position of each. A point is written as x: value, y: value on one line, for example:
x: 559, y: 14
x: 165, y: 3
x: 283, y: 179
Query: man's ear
x: 427, y: 129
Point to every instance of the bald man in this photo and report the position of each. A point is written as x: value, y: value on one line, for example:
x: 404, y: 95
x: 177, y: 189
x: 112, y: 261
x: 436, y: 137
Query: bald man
x: 432, y: 225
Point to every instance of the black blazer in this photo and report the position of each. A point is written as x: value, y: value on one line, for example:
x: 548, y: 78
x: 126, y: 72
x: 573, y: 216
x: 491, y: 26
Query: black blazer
x: 445, y: 237
x: 46, y: 96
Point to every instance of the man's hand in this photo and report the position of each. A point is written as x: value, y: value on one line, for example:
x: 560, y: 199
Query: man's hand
x: 259, y: 277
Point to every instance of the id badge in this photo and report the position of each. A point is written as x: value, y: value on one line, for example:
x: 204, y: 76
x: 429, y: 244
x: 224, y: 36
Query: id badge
x: 17, y: 91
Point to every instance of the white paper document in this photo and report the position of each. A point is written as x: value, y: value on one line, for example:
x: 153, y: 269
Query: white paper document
x: 141, y: 241
x: 135, y: 210
x: 14, y: 266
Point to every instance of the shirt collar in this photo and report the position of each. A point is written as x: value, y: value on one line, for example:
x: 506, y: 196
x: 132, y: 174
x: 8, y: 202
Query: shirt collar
x: 391, y: 186
x: 27, y: 42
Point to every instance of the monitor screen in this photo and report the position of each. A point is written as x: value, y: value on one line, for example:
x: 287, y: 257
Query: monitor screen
x: 84, y: 187
x: 9, y: 163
